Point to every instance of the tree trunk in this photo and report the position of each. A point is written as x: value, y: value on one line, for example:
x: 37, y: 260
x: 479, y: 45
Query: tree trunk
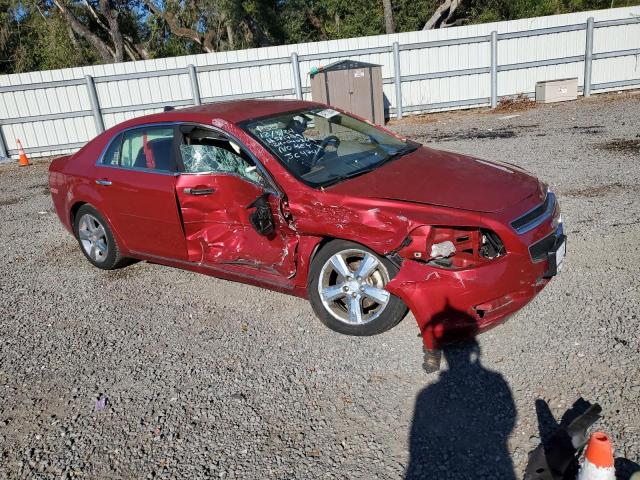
x: 388, y: 17
x: 316, y: 23
x: 179, y: 31
x: 114, y: 29
x: 230, y: 40
x: 106, y: 54
x: 442, y: 15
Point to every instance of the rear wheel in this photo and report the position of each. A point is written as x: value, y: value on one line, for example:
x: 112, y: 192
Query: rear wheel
x: 96, y: 239
x: 346, y: 290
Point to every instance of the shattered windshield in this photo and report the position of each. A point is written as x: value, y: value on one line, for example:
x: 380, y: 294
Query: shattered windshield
x: 322, y: 146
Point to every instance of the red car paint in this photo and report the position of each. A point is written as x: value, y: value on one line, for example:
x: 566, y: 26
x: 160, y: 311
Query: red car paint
x: 152, y: 220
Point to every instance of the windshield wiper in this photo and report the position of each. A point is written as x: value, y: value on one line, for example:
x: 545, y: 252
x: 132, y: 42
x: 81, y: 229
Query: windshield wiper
x: 408, y: 148
x: 403, y: 151
x: 339, y: 178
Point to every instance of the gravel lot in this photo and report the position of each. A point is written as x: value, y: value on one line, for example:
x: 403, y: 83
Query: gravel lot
x: 208, y: 378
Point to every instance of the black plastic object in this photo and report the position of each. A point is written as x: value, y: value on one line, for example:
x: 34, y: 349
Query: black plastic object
x: 262, y: 218
x: 432, y: 359
x: 556, y: 458
x: 552, y: 269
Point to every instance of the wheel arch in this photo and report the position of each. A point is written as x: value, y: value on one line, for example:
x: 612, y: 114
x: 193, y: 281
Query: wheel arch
x: 398, y: 307
x: 321, y: 244
x: 73, y: 211
x: 78, y: 204
x: 321, y: 241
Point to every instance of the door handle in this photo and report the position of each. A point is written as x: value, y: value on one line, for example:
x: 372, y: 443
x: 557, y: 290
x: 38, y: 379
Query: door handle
x: 198, y: 191
x: 103, y: 181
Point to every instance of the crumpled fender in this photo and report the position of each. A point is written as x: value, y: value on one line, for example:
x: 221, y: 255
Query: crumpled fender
x: 445, y: 302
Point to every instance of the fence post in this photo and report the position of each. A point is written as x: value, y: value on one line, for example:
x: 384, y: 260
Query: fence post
x: 397, y: 79
x: 195, y: 88
x: 95, y: 105
x: 4, y: 152
x: 494, y: 69
x: 297, y: 80
x: 588, y: 53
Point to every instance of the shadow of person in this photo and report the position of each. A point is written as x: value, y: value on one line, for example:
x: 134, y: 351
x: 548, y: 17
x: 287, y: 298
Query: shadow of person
x: 461, y: 423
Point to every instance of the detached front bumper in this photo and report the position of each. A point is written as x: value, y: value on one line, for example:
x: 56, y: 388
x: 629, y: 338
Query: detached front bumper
x: 455, y: 305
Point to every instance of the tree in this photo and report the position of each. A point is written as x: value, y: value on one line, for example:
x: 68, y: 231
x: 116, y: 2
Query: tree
x: 202, y: 38
x: 388, y: 17
x: 443, y: 14
x: 99, y: 25
x: 45, y: 34
x: 212, y: 25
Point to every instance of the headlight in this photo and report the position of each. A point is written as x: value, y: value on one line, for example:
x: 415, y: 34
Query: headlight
x: 452, y: 247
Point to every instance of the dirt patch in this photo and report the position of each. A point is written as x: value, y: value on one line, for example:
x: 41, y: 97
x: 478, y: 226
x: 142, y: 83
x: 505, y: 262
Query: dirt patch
x: 510, y: 105
x: 472, y: 134
x: 63, y: 249
x: 518, y: 103
x: 599, y: 190
x: 9, y: 201
x: 418, y: 119
x: 621, y: 145
x: 588, y: 129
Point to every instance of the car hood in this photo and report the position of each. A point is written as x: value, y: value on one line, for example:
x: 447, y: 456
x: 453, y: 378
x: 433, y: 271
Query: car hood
x: 445, y: 179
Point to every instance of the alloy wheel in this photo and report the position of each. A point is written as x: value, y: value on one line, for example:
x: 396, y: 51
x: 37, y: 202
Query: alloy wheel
x: 93, y: 237
x: 351, y: 286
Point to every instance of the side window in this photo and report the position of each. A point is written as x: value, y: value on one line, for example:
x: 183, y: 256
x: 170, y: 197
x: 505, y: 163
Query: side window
x: 207, y: 151
x: 149, y: 148
x: 112, y: 155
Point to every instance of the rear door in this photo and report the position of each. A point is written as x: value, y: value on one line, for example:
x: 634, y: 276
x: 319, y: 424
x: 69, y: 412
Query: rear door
x: 217, y: 190
x: 137, y: 180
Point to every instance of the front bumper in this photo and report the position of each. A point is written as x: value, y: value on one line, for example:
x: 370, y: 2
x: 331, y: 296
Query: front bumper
x: 455, y: 305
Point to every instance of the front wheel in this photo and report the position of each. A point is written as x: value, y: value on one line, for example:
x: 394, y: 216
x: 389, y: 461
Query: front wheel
x: 346, y: 290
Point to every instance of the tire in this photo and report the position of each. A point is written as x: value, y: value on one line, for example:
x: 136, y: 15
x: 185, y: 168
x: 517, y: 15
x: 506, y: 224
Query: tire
x: 96, y: 240
x: 343, y: 294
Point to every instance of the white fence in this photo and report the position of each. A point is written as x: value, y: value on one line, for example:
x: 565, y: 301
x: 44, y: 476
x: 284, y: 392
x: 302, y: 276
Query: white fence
x: 57, y: 111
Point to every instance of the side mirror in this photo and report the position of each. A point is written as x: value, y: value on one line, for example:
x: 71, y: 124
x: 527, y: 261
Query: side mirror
x: 262, y: 218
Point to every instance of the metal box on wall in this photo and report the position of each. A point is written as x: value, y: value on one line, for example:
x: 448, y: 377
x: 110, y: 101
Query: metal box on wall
x: 351, y: 85
x: 557, y: 90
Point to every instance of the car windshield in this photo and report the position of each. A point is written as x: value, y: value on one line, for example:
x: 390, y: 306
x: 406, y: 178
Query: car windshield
x: 322, y: 146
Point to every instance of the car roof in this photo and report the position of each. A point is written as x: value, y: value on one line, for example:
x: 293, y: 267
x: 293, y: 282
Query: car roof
x: 234, y: 111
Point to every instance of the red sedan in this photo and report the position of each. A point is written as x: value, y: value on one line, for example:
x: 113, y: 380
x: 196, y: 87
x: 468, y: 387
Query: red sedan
x: 304, y: 199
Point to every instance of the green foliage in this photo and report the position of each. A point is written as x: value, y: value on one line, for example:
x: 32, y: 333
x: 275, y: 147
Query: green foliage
x: 38, y: 39
x: 482, y: 11
x: 56, y: 46
x: 35, y: 36
x: 411, y: 15
x: 353, y: 18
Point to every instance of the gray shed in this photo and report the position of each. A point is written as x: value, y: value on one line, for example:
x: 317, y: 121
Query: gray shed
x: 351, y: 85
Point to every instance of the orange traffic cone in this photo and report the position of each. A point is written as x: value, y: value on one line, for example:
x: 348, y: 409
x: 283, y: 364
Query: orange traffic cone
x: 24, y: 160
x: 598, y: 459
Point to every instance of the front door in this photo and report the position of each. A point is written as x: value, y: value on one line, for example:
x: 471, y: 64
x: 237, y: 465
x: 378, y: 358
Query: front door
x: 217, y: 194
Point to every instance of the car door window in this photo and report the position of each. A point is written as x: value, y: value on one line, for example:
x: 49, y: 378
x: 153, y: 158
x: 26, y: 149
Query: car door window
x: 207, y: 151
x: 148, y: 148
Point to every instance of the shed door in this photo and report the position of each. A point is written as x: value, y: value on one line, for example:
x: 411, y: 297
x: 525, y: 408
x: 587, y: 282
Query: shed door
x: 360, y: 90
x: 339, y: 90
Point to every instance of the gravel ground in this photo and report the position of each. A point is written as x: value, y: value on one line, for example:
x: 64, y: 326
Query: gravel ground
x: 204, y: 377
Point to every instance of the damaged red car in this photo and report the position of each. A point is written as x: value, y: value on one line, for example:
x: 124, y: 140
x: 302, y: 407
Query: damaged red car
x: 311, y: 201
